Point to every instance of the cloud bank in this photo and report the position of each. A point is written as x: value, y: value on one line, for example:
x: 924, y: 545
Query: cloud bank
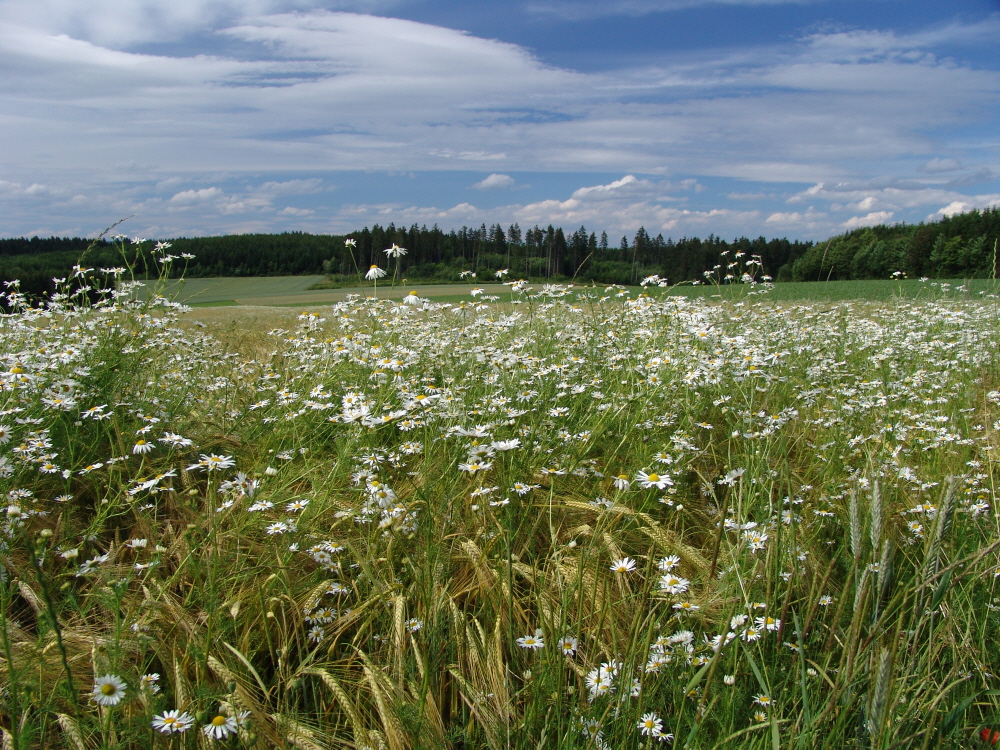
x: 103, y: 105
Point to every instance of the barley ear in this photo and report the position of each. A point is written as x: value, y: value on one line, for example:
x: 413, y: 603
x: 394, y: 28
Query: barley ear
x: 855, y: 520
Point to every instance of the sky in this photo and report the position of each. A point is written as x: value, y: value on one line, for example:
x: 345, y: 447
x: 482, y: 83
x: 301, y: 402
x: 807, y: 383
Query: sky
x: 776, y: 118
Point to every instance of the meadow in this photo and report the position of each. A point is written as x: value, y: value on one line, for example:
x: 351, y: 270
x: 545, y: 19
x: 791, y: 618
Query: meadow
x: 584, y: 518
x: 305, y: 291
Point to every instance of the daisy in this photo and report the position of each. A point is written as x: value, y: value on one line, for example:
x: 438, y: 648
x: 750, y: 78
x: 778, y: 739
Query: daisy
x: 657, y: 661
x: 108, y: 690
x: 220, y: 727
x: 671, y: 584
x: 621, y: 482
x: 599, y: 682
x: 568, y: 645
x: 374, y: 273
x: 172, y: 721
x: 174, y: 440
x: 751, y: 634
x: 213, y: 462
x: 767, y: 623
x: 624, y: 565
x: 141, y: 446
x: 650, y: 725
x: 534, y: 642
x: 316, y: 633
x: 668, y: 563
x: 660, y: 481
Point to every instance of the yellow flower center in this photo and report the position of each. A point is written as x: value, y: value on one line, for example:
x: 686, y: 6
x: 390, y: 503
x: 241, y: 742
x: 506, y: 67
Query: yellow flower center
x: 108, y: 689
x: 654, y: 477
x: 218, y: 721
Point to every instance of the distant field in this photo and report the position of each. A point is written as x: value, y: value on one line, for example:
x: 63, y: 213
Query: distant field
x: 294, y: 290
x: 869, y: 289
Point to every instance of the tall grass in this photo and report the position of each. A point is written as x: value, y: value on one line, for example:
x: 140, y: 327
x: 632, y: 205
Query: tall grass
x: 559, y: 524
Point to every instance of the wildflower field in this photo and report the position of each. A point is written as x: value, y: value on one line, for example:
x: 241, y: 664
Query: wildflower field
x: 564, y: 519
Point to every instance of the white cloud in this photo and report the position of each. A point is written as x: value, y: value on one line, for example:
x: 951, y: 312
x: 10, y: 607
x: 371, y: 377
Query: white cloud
x: 290, y: 211
x: 868, y: 220
x: 291, y: 187
x: 189, y: 197
x: 306, y: 92
x: 937, y: 165
x: 865, y: 204
x: 621, y: 206
x: 777, y: 115
x: 893, y: 194
x: 126, y: 22
x: 810, y: 220
x: 625, y: 186
x: 961, y: 206
x: 495, y: 182
x: 580, y: 10
x: 15, y: 188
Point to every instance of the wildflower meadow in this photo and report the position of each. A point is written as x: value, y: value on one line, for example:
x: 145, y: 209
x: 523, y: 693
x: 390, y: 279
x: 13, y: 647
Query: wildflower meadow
x: 565, y: 517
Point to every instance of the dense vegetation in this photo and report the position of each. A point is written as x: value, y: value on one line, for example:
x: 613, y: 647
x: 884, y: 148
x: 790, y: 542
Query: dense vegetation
x: 958, y: 246
x: 582, y: 519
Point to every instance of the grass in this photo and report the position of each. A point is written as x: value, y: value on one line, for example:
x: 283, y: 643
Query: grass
x: 561, y: 524
x: 302, y: 291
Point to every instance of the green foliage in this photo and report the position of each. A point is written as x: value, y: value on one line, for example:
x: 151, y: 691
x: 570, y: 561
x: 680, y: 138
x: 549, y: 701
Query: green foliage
x: 736, y: 521
x: 432, y: 254
x: 959, y: 246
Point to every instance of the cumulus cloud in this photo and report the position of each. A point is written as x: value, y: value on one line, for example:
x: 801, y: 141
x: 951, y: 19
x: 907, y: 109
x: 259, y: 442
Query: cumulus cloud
x: 189, y: 197
x: 620, y: 206
x: 868, y: 220
x: 495, y: 182
x: 964, y: 205
x: 807, y: 221
x: 15, y: 188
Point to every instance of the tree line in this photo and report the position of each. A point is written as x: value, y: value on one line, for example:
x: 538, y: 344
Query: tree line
x: 960, y: 246
x: 957, y: 246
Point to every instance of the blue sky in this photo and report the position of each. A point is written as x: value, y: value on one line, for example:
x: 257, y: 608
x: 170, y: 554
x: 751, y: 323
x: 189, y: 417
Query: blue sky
x: 796, y: 119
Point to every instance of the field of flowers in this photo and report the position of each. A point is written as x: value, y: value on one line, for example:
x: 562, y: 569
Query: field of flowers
x: 576, y: 519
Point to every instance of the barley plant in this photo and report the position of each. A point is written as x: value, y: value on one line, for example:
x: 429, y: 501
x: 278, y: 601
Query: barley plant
x: 571, y: 518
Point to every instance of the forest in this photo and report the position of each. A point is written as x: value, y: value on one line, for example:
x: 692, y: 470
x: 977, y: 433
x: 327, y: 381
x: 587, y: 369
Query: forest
x: 960, y: 246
